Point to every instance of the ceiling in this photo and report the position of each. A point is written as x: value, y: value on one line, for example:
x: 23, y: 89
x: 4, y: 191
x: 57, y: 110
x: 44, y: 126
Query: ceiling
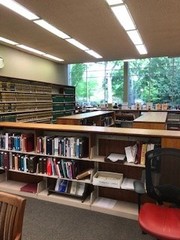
x: 93, y: 24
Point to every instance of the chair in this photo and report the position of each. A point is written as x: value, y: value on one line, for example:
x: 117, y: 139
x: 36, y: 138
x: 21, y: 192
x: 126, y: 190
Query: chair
x: 11, y: 216
x: 161, y: 218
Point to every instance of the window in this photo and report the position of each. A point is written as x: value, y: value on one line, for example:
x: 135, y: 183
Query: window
x: 154, y: 80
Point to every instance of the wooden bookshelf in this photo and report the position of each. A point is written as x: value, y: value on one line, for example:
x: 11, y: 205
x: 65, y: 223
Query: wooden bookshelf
x: 152, y: 120
x: 32, y: 101
x: 101, y: 141
x: 96, y: 118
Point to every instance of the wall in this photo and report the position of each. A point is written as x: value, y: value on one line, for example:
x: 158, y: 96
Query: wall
x: 19, y: 64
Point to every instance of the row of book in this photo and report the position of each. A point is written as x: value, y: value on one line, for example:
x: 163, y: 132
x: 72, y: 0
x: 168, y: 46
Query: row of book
x: 17, y: 141
x: 63, y: 146
x: 48, y: 145
x: 62, y: 168
x: 25, y: 87
x: 136, y: 153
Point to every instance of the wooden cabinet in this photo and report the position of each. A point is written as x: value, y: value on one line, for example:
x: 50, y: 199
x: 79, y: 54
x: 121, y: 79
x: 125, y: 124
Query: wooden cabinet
x: 98, y: 143
x: 31, y: 101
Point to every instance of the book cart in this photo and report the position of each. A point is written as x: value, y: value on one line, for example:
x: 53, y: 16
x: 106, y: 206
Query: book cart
x: 94, y: 145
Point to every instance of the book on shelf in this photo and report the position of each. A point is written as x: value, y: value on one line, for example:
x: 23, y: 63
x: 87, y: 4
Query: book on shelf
x: 80, y: 188
x: 73, y: 188
x: 29, y: 187
x: 143, y: 153
x: 61, y: 185
x: 84, y: 174
x: 27, y: 141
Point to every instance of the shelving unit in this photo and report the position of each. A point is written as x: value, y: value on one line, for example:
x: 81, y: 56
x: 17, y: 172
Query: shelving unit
x: 101, y: 141
x: 173, y: 121
x: 96, y: 118
x: 152, y: 120
x: 63, y: 101
x: 31, y: 101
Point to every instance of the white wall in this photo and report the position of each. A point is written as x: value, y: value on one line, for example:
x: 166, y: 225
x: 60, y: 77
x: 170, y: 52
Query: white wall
x: 19, y: 64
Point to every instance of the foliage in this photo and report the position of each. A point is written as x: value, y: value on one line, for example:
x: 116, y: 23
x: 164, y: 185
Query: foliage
x: 155, y: 79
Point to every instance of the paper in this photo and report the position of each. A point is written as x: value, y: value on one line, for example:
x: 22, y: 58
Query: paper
x: 131, y: 152
x: 116, y: 157
x: 105, y: 202
x: 128, y: 183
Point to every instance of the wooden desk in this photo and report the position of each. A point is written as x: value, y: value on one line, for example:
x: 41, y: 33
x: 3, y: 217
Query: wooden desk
x: 98, y: 118
x: 151, y: 120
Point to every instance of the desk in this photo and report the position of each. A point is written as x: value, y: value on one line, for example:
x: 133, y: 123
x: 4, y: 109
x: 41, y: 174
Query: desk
x: 151, y: 120
x: 98, y: 118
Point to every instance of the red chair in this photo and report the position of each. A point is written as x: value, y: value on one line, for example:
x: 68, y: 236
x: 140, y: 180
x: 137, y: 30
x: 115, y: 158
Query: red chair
x: 162, y: 218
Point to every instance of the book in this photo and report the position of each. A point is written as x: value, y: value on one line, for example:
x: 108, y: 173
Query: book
x: 84, y: 174
x: 63, y: 186
x: 80, y: 188
x: 29, y: 187
x: 27, y: 142
x: 73, y: 188
x: 143, y: 153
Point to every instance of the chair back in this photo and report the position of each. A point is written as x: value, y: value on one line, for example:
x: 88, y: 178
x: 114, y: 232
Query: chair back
x: 163, y: 175
x: 11, y: 216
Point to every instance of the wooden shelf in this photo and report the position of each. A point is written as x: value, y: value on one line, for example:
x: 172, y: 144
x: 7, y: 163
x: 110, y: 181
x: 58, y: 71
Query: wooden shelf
x: 101, y: 142
x: 97, y: 118
x: 20, y: 97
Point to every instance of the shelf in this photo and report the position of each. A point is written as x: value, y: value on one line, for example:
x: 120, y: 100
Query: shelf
x: 101, y: 141
x: 116, y: 208
x: 20, y: 96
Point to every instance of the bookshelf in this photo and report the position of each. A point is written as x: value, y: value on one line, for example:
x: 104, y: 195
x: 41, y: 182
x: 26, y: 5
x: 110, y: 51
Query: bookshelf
x: 99, y: 143
x: 32, y: 101
x: 96, y: 118
x: 152, y: 120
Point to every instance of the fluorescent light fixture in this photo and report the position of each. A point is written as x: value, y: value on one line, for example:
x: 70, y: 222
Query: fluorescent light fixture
x: 93, y: 53
x: 114, y: 2
x: 53, y: 57
x: 135, y: 37
x: 77, y: 44
x: 124, y: 17
x: 141, y: 49
x: 129, y: 60
x: 30, y: 49
x: 42, y: 23
x: 7, y: 41
x: 16, y: 7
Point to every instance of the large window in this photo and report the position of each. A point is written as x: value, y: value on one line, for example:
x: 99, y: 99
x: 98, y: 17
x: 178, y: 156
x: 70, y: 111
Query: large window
x: 154, y: 80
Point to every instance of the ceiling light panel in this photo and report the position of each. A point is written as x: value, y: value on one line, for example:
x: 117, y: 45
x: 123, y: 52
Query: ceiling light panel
x: 114, y: 2
x: 53, y: 57
x: 93, y: 53
x: 42, y: 23
x: 19, y: 9
x: 77, y: 44
x: 124, y: 17
x: 135, y: 37
x: 30, y: 49
x: 141, y: 49
x: 8, y: 41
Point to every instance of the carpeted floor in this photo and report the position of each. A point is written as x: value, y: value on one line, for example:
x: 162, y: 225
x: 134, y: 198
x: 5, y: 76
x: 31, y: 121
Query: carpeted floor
x: 50, y: 221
